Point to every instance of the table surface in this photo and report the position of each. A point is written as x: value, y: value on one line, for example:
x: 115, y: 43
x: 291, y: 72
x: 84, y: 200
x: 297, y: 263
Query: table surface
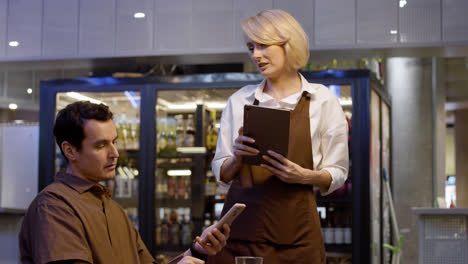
x: 439, y: 211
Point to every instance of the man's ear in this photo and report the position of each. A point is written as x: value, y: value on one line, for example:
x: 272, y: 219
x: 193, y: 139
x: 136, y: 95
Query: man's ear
x: 69, y: 150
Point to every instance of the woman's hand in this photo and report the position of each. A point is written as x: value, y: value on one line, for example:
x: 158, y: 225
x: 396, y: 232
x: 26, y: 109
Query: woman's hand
x: 232, y: 165
x: 240, y: 149
x: 215, y: 240
x: 285, y: 169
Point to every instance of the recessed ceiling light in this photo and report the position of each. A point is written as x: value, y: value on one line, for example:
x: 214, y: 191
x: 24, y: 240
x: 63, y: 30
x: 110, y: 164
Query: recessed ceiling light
x: 139, y: 15
x: 13, y: 106
x: 403, y: 3
x: 29, y: 91
x: 393, y: 32
x: 13, y: 43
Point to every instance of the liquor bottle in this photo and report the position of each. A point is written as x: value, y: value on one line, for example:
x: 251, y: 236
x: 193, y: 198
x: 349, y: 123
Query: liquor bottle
x: 180, y: 131
x: 207, y: 221
x: 171, y: 134
x: 190, y: 132
x: 181, y: 187
x: 162, y: 137
x: 165, y: 228
x: 211, y: 133
x: 159, y: 184
x: 174, y: 238
x: 124, y: 129
x: 187, y: 227
x: 452, y: 203
x: 329, y: 236
x: 171, y: 188
x: 348, y: 230
x: 210, y: 184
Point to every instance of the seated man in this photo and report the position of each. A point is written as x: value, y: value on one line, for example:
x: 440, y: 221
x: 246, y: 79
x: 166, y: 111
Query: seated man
x: 74, y: 219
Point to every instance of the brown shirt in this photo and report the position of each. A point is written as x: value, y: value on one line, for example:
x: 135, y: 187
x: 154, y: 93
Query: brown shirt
x: 73, y: 219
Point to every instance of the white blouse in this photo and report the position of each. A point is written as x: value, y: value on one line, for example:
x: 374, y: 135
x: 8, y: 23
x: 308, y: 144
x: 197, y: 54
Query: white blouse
x: 328, y: 128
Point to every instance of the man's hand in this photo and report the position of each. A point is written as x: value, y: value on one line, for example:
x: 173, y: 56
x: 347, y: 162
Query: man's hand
x: 190, y: 260
x: 215, y: 240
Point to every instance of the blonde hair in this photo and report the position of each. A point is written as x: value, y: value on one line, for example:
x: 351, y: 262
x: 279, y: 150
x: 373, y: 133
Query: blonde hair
x: 277, y: 27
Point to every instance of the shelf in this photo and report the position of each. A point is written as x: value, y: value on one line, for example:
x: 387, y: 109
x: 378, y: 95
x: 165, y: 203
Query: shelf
x: 174, y: 203
x: 348, y: 248
x: 321, y: 200
x: 130, y: 153
x: 175, y: 165
x: 12, y: 211
x: 172, y: 248
x: 127, y: 201
x: 174, y: 155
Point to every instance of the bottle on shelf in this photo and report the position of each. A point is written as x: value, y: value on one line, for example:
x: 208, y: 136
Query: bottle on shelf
x: 211, y: 133
x: 329, y: 230
x: 165, y: 226
x: 183, y: 187
x: 161, y: 144
x: 348, y: 230
x: 190, y: 132
x: 207, y: 221
x: 174, y: 238
x: 452, y: 202
x: 180, y: 130
x: 160, y: 190
x: 210, y: 184
x: 159, y: 226
x: 171, y: 134
x: 339, y: 230
x: 171, y: 188
x: 187, y: 229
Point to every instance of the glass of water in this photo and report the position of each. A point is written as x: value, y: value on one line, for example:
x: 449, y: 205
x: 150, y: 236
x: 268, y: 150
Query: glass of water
x: 249, y: 260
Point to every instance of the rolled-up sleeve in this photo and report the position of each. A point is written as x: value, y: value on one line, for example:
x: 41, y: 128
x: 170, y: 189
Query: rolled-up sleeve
x: 224, y: 145
x: 334, y: 145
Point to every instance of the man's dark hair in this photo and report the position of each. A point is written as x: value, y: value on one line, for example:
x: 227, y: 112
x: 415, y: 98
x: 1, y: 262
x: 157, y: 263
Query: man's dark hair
x: 71, y: 119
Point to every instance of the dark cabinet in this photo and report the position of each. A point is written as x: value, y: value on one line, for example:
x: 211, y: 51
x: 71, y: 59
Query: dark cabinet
x: 169, y: 125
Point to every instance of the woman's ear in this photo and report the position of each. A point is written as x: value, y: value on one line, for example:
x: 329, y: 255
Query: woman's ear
x: 69, y: 150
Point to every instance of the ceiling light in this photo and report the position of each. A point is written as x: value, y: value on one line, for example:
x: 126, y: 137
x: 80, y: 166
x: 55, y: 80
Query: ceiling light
x: 29, y: 91
x: 403, y: 3
x: 215, y: 105
x: 81, y: 97
x: 132, y: 98
x: 179, y: 172
x: 346, y: 102
x: 13, y: 43
x: 182, y: 106
x: 13, y: 106
x: 193, y: 150
x: 139, y: 15
x: 393, y: 32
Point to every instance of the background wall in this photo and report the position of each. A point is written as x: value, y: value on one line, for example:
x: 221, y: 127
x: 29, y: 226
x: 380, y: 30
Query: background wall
x: 58, y: 29
x: 416, y: 90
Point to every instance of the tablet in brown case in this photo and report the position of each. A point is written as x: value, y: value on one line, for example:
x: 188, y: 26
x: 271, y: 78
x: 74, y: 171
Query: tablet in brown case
x: 270, y: 129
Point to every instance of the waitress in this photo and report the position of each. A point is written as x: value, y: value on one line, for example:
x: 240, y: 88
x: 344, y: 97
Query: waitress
x: 280, y: 223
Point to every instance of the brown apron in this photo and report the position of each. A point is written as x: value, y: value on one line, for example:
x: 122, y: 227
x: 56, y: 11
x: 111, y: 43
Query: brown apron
x: 280, y: 223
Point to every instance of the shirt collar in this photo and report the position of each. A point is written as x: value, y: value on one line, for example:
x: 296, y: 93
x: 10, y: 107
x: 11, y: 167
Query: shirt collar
x: 260, y: 96
x: 80, y: 185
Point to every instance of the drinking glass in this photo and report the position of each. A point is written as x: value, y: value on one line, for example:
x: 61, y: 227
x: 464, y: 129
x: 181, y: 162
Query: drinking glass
x: 249, y: 260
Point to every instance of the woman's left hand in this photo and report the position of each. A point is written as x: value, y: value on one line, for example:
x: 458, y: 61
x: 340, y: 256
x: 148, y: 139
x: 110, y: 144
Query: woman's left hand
x: 285, y: 169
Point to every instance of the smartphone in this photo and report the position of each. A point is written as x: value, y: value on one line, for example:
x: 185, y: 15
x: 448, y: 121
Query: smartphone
x: 229, y: 217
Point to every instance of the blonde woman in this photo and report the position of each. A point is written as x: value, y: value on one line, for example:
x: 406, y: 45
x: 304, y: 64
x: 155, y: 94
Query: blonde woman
x: 280, y: 223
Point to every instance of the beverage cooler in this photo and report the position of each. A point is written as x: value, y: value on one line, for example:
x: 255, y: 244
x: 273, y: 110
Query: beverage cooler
x: 167, y: 128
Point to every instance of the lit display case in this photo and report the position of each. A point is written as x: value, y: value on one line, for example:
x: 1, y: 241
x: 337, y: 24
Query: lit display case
x: 170, y: 128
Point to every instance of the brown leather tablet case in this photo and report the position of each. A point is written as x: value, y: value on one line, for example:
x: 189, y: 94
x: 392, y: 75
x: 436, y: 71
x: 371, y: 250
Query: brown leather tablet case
x: 270, y: 129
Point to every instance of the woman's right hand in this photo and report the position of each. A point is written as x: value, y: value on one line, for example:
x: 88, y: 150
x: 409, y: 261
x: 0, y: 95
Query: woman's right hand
x: 233, y: 164
x: 240, y: 149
